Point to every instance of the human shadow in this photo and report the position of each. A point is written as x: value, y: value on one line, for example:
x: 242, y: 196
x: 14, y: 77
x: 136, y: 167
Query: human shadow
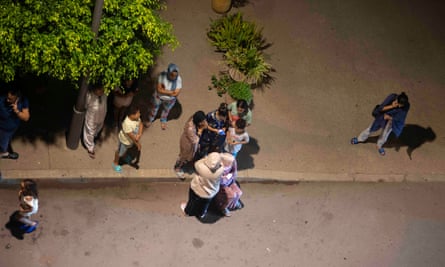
x: 14, y: 226
x: 213, y: 214
x: 244, y: 158
x: 413, y: 136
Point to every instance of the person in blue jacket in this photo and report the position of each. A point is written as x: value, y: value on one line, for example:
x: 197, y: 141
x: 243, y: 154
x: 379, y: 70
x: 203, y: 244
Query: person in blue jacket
x: 389, y: 116
x: 14, y: 108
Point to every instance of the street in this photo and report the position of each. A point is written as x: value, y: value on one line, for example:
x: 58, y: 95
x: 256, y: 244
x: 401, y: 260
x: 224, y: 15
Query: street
x: 305, y: 224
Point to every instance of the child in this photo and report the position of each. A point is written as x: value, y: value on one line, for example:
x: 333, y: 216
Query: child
x: 129, y: 136
x: 29, y: 205
x: 236, y: 137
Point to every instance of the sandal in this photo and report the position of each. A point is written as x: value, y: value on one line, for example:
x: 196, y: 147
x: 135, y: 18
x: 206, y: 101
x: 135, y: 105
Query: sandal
x: 381, y: 151
x: 147, y: 124
x: 91, y: 154
x: 354, y: 141
x: 163, y: 125
x: 117, y: 168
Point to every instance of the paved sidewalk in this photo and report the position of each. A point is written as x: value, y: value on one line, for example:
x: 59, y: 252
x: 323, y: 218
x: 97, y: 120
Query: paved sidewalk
x: 334, y: 61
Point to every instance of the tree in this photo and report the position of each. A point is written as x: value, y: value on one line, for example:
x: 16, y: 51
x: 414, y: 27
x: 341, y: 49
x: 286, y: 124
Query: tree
x: 54, y: 37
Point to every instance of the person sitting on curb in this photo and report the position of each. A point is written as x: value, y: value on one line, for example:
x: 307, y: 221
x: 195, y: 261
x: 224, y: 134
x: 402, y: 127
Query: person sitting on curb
x: 389, y: 116
x: 29, y: 205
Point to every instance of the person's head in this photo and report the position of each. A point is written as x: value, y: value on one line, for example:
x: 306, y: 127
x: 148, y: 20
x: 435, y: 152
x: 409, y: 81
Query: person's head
x: 240, y: 125
x: 98, y: 90
x: 227, y: 159
x: 210, y: 167
x: 13, y: 95
x: 128, y: 83
x: 222, y: 111
x: 29, y: 188
x: 172, y: 72
x: 242, y: 107
x: 199, y: 118
x: 402, y: 99
x: 134, y: 112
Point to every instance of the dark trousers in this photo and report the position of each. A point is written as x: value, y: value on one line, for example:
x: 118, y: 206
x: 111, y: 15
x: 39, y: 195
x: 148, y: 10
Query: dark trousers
x: 196, y: 205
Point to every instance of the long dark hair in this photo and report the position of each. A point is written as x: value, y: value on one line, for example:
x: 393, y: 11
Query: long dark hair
x: 241, y: 103
x: 30, y: 188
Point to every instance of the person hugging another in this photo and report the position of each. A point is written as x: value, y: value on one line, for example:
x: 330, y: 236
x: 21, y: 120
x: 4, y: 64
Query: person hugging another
x: 204, y: 185
x: 129, y: 136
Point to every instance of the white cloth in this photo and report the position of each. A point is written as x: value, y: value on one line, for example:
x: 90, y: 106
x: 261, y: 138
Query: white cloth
x: 96, y: 110
x: 162, y: 79
x: 238, y: 138
x: 29, y: 201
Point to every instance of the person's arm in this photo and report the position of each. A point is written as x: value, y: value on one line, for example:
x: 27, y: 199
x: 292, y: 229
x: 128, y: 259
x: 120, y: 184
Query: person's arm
x: 21, y: 114
x: 134, y: 139
x: 140, y: 131
x: 161, y: 89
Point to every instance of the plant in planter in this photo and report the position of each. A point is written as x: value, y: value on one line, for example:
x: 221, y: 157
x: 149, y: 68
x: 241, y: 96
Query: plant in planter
x: 230, y: 32
x: 221, y: 83
x: 240, y: 91
x: 226, y: 85
x: 248, y: 64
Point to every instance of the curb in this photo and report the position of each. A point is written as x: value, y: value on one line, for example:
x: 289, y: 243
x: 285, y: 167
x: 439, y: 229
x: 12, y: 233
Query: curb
x: 167, y: 175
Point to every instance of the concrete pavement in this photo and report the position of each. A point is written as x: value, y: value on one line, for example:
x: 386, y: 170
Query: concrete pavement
x: 334, y: 61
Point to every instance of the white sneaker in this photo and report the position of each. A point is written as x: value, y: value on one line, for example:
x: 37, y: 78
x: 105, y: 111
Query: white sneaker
x: 182, y: 206
x: 181, y: 175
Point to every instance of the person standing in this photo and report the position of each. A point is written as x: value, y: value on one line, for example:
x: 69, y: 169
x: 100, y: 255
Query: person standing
x: 123, y: 97
x: 96, y: 110
x: 204, y: 185
x: 13, y: 109
x: 167, y: 90
x: 390, y: 116
x: 188, y: 144
x: 129, y: 136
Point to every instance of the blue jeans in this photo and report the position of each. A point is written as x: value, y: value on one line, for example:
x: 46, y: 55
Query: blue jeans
x: 167, y: 106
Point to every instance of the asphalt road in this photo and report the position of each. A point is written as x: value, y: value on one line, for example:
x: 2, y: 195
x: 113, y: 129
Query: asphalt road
x: 306, y: 224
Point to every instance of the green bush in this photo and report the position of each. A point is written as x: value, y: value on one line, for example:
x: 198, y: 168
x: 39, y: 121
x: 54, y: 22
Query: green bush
x: 240, y: 91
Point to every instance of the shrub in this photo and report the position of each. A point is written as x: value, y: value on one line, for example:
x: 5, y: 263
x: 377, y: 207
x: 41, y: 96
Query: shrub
x: 230, y: 32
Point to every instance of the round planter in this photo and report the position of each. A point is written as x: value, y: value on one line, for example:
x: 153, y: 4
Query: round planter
x: 221, y: 6
x: 236, y: 75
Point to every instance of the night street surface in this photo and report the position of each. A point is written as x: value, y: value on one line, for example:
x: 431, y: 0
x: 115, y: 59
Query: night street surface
x: 305, y: 224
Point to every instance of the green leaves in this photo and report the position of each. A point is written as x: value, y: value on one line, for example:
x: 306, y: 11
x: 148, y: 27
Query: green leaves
x: 242, y: 44
x: 54, y: 37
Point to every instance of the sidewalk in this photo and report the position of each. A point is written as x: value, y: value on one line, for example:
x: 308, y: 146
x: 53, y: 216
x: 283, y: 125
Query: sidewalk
x: 331, y: 69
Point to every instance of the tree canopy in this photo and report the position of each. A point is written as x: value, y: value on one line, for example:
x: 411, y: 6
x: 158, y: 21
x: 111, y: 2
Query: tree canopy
x: 54, y: 38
